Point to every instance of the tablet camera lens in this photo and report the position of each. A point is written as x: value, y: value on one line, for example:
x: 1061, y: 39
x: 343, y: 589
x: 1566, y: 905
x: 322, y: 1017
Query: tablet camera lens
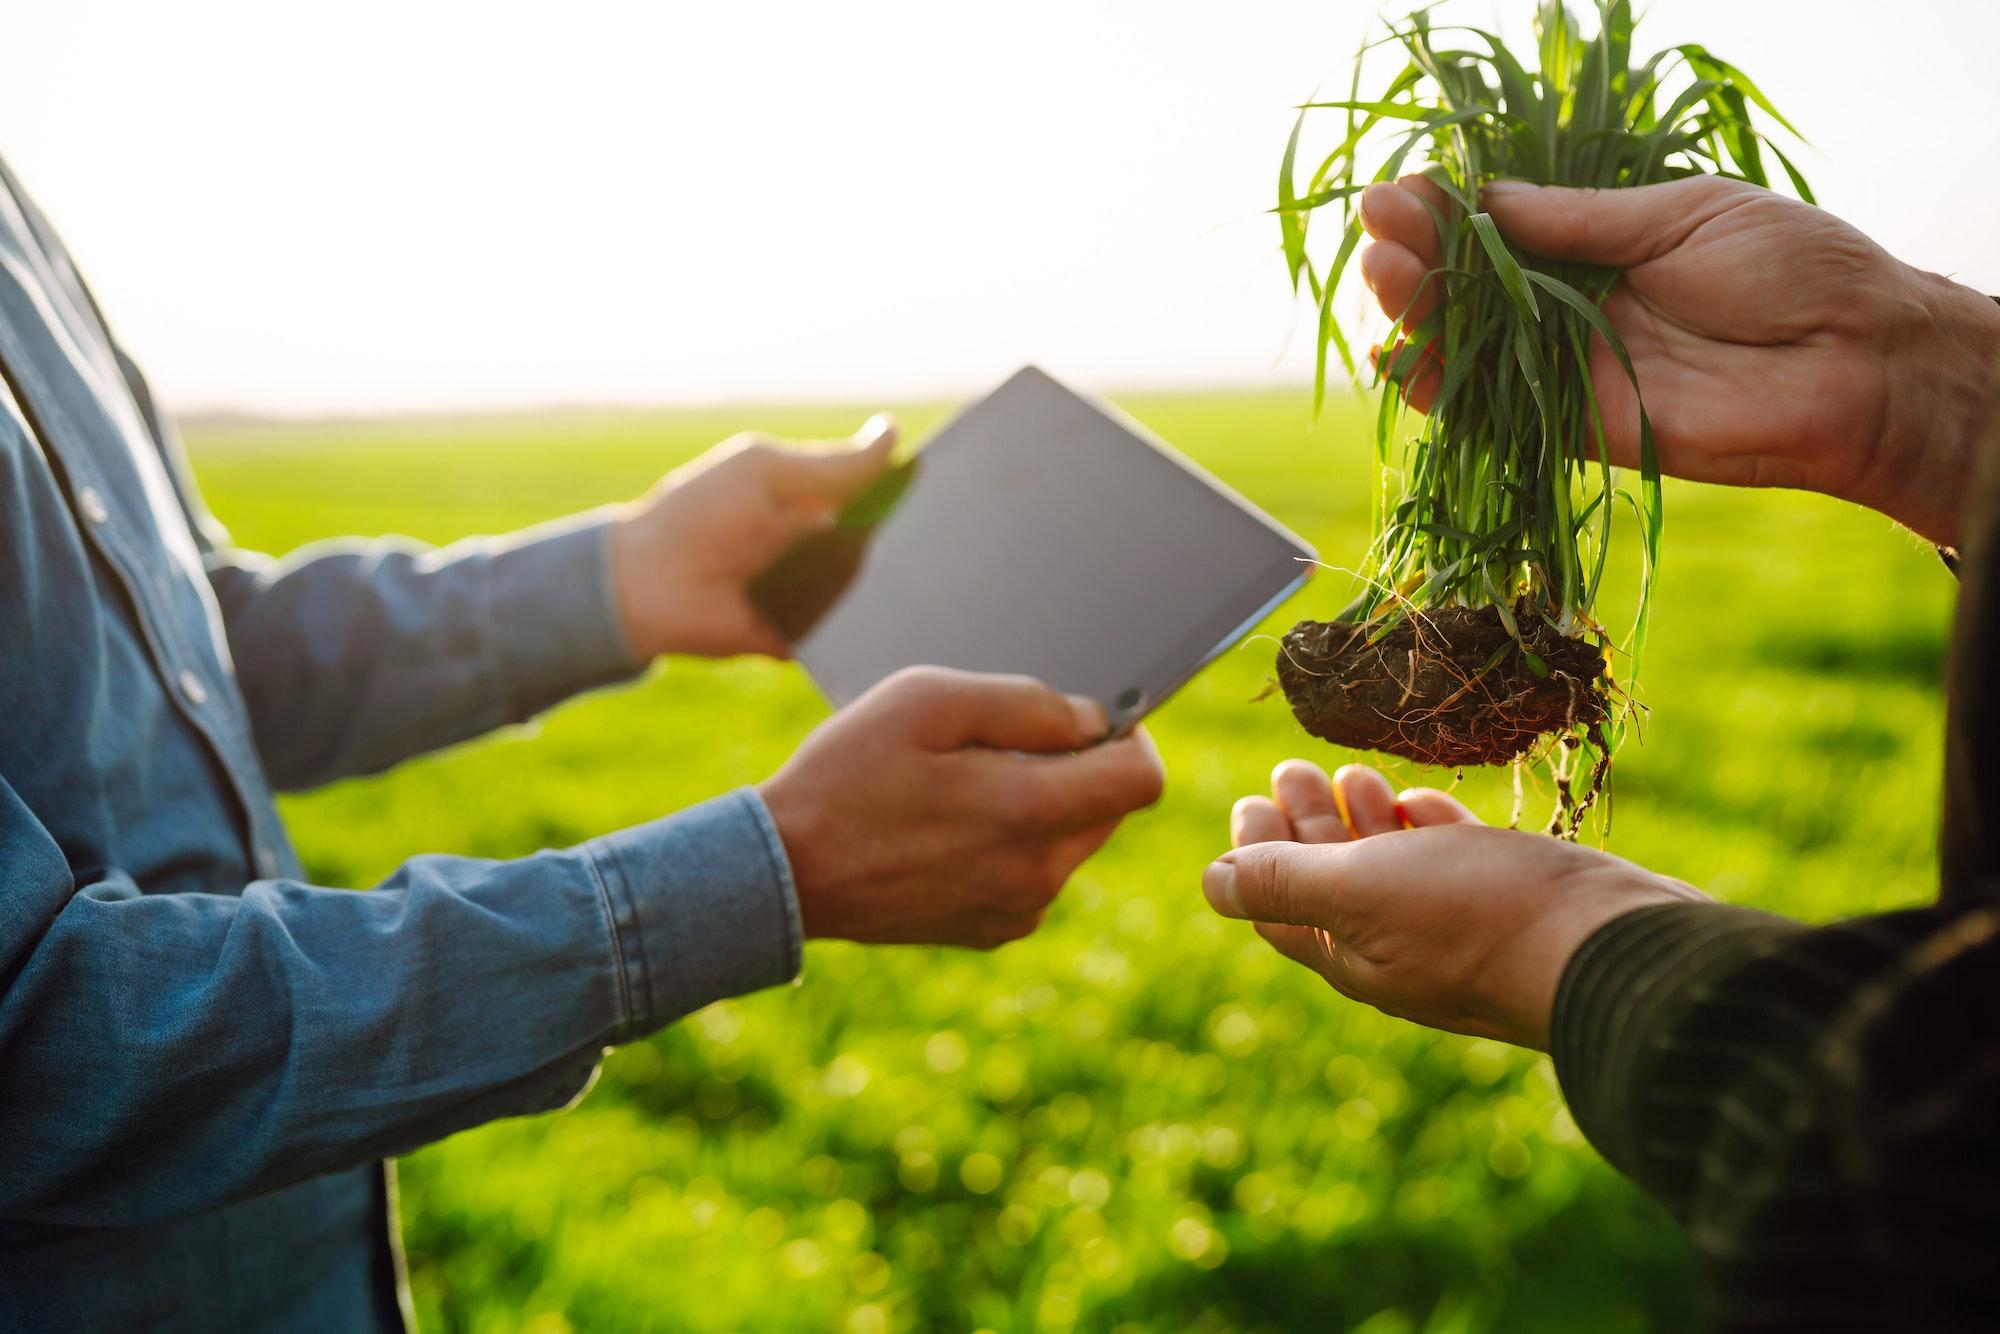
x: 1131, y: 700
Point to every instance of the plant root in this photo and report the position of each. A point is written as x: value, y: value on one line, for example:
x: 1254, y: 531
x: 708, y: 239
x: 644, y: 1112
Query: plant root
x: 1448, y: 686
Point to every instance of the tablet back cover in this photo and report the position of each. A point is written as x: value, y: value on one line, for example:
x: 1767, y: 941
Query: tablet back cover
x: 1042, y: 533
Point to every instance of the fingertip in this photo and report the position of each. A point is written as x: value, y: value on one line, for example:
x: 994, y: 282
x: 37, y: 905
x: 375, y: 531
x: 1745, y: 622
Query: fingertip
x: 1306, y: 795
x: 1091, y: 724
x: 1296, y: 770
x: 878, y: 432
x: 1401, y: 214
x: 1218, y: 886
x: 1366, y: 800
x: 1425, y: 807
x: 1424, y: 390
x: 1150, y: 771
x: 1257, y: 820
x: 1400, y: 280
x: 1381, y: 260
x: 1372, y: 207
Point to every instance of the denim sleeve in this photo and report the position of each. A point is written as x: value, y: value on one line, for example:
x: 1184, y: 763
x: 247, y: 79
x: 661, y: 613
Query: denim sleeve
x: 165, y: 1053
x: 354, y: 655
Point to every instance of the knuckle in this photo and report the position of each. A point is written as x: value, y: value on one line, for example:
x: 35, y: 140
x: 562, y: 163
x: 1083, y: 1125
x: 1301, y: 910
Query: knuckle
x: 1023, y: 884
x: 1720, y: 187
x: 1017, y: 928
x: 1586, y: 220
x: 992, y: 934
x: 1031, y: 894
x: 1247, y: 884
x: 1048, y: 879
x: 1258, y: 885
x: 984, y: 937
x: 1284, y: 887
x: 1033, y: 803
x: 911, y: 679
x: 924, y: 686
x: 1019, y: 695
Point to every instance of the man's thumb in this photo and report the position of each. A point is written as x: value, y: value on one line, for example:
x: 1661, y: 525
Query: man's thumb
x: 1292, y: 883
x: 1618, y: 228
x: 839, y: 474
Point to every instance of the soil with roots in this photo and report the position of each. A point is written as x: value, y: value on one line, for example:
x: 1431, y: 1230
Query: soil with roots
x: 1447, y: 686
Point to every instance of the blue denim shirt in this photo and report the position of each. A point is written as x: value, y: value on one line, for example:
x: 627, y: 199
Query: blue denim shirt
x: 205, y: 1060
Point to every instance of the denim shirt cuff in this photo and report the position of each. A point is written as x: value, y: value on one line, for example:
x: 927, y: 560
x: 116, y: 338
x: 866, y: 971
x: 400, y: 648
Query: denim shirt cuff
x: 702, y: 906
x: 553, y: 613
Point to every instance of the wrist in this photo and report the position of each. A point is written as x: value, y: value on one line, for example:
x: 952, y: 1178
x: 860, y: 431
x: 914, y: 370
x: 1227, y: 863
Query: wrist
x: 1941, y: 353
x: 1555, y: 939
x: 634, y: 576
x: 792, y: 816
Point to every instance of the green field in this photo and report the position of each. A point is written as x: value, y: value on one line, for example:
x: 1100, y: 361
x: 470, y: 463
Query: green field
x: 1142, y: 1118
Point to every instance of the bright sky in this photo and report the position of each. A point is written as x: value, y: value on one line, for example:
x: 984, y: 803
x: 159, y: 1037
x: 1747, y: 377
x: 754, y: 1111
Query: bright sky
x: 397, y: 205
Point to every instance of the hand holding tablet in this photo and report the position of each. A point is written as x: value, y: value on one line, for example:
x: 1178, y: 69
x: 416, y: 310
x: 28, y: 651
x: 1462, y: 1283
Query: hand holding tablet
x: 1039, y: 533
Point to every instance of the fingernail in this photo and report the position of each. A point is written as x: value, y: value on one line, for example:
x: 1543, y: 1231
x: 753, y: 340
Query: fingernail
x: 1364, y: 208
x: 874, y: 429
x: 1090, y: 719
x: 1218, y: 886
x: 1505, y: 188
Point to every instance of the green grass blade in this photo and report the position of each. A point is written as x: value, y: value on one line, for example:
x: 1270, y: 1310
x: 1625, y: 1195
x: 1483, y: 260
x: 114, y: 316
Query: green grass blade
x: 1505, y: 266
x: 1291, y: 227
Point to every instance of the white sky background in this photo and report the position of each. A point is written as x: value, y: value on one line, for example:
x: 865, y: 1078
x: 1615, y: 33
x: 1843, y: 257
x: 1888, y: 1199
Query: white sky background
x: 370, y: 206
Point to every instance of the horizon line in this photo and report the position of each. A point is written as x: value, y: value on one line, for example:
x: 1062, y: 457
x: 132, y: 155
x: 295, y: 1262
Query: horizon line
x: 223, y: 416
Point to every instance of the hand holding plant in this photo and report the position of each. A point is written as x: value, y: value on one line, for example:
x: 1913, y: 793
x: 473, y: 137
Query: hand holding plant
x: 1474, y: 639
x: 1777, y: 345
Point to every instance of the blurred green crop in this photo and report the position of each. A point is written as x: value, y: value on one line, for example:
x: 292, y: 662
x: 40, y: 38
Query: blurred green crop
x: 1141, y: 1119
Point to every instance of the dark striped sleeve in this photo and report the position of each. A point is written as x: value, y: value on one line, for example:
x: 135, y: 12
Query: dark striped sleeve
x: 1818, y: 1106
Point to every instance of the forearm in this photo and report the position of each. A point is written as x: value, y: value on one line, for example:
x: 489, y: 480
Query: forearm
x: 167, y: 1053
x: 1620, y: 1035
x: 353, y: 656
x: 1748, y: 1072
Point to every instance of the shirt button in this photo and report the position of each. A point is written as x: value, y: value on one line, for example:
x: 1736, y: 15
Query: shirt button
x: 267, y: 861
x: 92, y: 505
x: 191, y: 686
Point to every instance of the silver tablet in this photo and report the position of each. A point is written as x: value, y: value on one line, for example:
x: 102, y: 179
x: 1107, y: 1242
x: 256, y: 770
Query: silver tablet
x: 1038, y: 532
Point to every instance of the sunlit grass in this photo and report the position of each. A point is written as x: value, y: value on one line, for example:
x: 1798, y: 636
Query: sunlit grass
x: 1140, y: 1118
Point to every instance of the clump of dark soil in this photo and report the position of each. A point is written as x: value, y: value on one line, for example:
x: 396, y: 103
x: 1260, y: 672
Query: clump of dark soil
x: 1448, y: 686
